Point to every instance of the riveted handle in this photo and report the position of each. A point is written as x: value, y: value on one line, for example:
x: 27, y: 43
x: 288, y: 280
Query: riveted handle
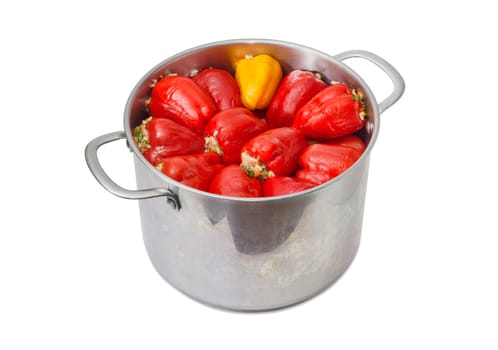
x: 392, y: 73
x: 106, y: 182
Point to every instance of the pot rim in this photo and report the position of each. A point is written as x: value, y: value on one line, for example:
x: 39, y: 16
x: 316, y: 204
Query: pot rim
x: 253, y: 41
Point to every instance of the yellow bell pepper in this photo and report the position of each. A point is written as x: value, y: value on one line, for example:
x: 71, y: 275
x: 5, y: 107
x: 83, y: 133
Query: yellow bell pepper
x: 258, y: 78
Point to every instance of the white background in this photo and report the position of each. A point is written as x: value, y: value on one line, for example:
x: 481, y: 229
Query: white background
x: 74, y: 273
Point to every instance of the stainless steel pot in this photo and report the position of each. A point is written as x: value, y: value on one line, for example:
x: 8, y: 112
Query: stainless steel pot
x: 250, y: 254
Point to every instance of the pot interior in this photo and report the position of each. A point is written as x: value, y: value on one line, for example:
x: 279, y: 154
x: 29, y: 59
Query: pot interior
x: 224, y: 55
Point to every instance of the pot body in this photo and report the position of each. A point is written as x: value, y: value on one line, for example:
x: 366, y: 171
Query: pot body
x: 250, y: 253
x: 257, y: 255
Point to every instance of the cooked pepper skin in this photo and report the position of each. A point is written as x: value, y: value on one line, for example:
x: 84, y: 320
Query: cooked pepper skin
x: 194, y: 170
x: 228, y: 131
x: 333, y: 112
x: 282, y: 185
x: 233, y: 181
x: 181, y: 99
x: 295, y: 89
x: 276, y: 150
x: 352, y: 141
x: 320, y: 163
x: 159, y: 138
x: 258, y: 78
x: 221, y: 86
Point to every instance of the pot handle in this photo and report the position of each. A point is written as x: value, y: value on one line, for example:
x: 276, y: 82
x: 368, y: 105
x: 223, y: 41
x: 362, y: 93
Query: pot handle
x: 106, y: 182
x: 397, y: 80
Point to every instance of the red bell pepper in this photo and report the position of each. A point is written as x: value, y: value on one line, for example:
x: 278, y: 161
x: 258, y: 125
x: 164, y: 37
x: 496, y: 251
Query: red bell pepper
x: 221, y: 86
x: 295, y: 89
x: 281, y: 185
x: 321, y: 162
x: 273, y: 153
x: 335, y: 111
x: 159, y: 138
x: 194, y: 170
x: 352, y: 141
x: 233, y: 181
x: 229, y: 130
x: 180, y: 98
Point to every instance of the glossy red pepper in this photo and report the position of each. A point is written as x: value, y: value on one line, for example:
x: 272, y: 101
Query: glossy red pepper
x: 221, y: 86
x: 333, y: 112
x: 282, y: 185
x: 159, y: 138
x: 295, y: 89
x: 194, y: 170
x: 352, y: 141
x: 229, y: 130
x: 273, y: 153
x: 321, y: 162
x: 233, y: 181
x: 180, y: 98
